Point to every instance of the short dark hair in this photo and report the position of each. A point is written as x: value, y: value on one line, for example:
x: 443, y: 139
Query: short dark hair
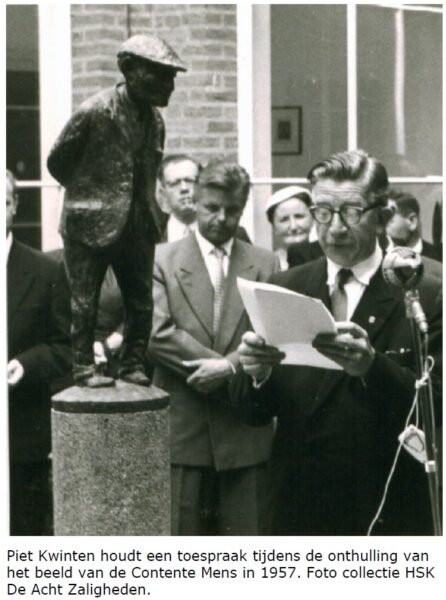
x: 172, y: 159
x: 354, y: 165
x: 12, y: 180
x: 405, y: 203
x: 227, y: 176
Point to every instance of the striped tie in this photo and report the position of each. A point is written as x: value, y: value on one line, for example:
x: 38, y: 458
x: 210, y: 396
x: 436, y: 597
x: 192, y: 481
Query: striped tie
x: 219, y: 286
x: 339, y: 296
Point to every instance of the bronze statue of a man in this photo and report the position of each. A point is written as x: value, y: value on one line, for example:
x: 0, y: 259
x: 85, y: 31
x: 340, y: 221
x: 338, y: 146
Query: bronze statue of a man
x: 107, y: 158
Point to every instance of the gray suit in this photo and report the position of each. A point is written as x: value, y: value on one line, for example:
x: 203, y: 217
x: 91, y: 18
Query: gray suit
x: 204, y: 433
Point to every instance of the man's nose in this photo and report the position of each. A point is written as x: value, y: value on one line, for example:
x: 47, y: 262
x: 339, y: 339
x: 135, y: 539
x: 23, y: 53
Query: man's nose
x: 337, y: 225
x: 221, y: 215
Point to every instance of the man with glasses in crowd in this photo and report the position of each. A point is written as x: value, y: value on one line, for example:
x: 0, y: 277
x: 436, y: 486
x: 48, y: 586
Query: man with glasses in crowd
x: 337, y: 431
x: 178, y: 176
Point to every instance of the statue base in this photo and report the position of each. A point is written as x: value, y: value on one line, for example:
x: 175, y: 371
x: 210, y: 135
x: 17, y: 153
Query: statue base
x: 111, y: 461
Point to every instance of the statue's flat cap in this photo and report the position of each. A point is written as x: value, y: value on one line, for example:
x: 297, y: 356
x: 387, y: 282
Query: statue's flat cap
x: 153, y: 48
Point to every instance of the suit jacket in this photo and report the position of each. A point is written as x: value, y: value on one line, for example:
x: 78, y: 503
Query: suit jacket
x: 303, y: 252
x: 432, y: 251
x: 204, y: 432
x: 337, y: 434
x: 39, y: 338
x: 93, y: 159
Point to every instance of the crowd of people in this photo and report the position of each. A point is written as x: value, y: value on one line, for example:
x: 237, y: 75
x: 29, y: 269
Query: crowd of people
x: 256, y: 447
x: 147, y: 292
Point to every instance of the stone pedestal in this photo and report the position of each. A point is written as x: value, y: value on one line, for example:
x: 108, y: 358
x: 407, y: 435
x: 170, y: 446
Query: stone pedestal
x: 111, y: 464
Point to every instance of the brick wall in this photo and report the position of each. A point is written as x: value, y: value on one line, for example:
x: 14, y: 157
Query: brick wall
x: 202, y: 116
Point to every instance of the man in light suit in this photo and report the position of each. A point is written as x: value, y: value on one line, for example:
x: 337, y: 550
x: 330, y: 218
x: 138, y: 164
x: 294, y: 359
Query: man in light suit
x: 39, y: 356
x: 337, y: 431
x: 218, y: 463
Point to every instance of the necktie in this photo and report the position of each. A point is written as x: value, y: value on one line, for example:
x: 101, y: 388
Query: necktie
x: 339, y: 296
x: 187, y: 230
x: 219, y: 286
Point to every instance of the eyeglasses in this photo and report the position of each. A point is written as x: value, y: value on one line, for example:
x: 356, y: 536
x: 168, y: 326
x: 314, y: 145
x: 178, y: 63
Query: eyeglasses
x: 350, y: 215
x: 178, y: 182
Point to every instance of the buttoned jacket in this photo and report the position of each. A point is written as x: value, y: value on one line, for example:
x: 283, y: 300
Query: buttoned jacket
x: 203, y: 430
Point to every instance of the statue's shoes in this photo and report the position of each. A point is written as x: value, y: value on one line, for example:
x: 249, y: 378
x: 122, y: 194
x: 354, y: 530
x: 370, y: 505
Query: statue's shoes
x: 97, y: 381
x: 137, y: 377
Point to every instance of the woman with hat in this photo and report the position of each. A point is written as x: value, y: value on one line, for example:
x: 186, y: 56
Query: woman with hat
x: 289, y: 214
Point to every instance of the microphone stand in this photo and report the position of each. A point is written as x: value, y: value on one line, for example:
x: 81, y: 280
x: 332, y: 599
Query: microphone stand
x: 426, y: 407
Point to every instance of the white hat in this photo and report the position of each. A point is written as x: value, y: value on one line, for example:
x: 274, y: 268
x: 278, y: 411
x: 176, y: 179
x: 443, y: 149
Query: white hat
x: 285, y: 194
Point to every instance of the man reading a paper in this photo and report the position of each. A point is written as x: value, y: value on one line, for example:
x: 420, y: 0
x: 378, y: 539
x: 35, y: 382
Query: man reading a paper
x: 337, y: 429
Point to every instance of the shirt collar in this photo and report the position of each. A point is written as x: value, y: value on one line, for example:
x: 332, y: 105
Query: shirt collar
x: 362, y: 271
x: 179, y: 224
x: 206, y: 247
x: 8, y: 244
x: 418, y: 247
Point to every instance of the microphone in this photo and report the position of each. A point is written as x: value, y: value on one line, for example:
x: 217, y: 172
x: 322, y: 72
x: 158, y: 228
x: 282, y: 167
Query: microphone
x: 402, y: 267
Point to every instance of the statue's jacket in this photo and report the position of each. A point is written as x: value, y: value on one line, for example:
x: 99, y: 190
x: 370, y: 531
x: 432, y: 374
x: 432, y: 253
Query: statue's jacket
x: 93, y: 159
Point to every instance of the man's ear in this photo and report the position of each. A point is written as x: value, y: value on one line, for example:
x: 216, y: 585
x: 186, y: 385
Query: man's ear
x: 162, y: 197
x: 412, y: 219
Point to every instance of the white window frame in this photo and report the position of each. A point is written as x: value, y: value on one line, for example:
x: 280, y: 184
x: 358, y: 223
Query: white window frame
x: 55, y: 86
x: 254, y: 118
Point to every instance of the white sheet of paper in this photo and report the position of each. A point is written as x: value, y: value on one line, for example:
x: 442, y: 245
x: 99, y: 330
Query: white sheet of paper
x: 288, y: 320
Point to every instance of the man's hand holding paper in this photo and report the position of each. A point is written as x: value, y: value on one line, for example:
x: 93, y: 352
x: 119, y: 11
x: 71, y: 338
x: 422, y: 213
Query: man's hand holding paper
x: 257, y: 358
x: 350, y: 348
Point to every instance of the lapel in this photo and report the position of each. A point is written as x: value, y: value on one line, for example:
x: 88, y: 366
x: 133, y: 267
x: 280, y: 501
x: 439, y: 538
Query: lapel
x: 241, y: 264
x: 20, y: 278
x: 373, y: 311
x: 193, y: 277
x: 316, y: 285
x: 117, y: 112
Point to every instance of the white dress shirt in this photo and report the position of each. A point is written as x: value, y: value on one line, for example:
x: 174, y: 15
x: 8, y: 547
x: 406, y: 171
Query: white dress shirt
x: 176, y: 230
x: 362, y: 274
x: 281, y: 254
x: 210, y: 260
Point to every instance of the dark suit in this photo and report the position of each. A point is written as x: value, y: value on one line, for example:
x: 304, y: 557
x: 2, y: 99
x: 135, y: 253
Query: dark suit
x: 337, y: 434
x: 303, y: 252
x: 431, y: 251
x: 38, y: 337
x: 204, y: 433
x: 107, y: 158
